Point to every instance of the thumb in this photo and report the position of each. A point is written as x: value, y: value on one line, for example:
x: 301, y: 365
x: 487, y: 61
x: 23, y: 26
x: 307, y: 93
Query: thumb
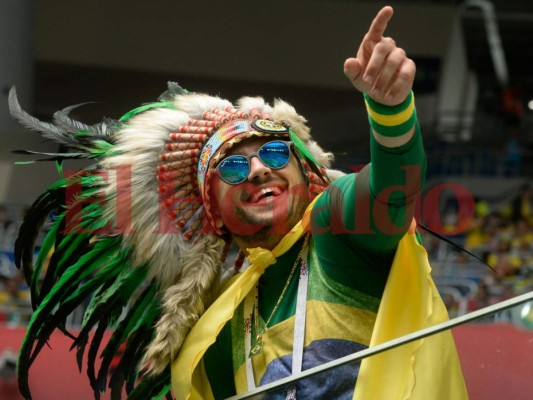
x: 353, y: 69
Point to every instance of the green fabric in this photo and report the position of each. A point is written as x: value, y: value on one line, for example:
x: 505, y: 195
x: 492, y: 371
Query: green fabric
x: 393, y: 131
x: 327, y: 292
x: 362, y: 259
x: 388, y: 110
x: 356, y: 261
x: 218, y: 363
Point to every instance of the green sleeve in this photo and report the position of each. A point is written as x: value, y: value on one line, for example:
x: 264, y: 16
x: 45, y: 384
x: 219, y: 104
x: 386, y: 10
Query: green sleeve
x: 219, y: 365
x: 358, y: 222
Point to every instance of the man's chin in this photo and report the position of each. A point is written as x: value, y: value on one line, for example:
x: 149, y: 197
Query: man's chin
x: 274, y: 218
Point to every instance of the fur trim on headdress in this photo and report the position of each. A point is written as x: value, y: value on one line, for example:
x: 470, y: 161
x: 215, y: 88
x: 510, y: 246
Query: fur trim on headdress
x: 185, y: 301
x: 154, y: 238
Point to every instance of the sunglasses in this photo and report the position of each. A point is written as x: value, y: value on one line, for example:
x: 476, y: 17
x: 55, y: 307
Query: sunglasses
x: 235, y: 169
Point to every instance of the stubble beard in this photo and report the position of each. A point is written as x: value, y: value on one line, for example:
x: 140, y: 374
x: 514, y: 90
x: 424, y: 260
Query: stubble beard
x: 266, y: 232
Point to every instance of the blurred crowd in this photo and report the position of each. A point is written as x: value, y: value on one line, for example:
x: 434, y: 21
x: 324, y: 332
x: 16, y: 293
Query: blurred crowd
x: 503, y: 238
x: 15, y: 304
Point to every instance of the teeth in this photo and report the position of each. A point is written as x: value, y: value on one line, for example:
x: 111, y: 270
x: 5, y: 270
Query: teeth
x: 265, y: 192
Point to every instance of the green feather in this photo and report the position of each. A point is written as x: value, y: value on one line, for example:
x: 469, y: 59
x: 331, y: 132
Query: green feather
x: 48, y: 241
x: 140, y: 336
x: 108, y: 303
x: 123, y: 330
x: 304, y: 152
x: 33, y: 222
x: 152, y: 387
x: 64, y: 287
x: 109, y: 271
x: 119, y: 292
x: 83, y: 268
x: 76, y: 298
x: 109, y: 307
x: 302, y: 148
x: 93, y: 353
x: 102, y: 149
x: 69, y: 250
x: 44, y: 251
x: 138, y: 110
x: 81, y: 341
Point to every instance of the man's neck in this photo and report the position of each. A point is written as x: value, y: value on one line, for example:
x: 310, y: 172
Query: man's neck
x: 264, y: 241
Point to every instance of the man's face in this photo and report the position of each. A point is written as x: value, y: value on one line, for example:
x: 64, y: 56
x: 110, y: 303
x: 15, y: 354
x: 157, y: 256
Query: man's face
x: 268, y: 204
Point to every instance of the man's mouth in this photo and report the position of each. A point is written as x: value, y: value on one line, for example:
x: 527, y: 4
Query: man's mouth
x: 265, y: 194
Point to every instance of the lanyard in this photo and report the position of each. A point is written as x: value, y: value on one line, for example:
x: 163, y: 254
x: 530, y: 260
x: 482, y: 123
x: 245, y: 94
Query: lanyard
x: 299, y: 324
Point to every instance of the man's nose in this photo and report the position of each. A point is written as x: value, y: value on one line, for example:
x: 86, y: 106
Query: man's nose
x: 258, y: 170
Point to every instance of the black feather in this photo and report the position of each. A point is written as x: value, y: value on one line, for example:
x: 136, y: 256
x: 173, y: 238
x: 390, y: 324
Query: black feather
x: 117, y: 388
x: 66, y: 307
x: 86, y: 133
x: 93, y: 353
x: 124, y: 328
x: 136, y: 344
x: 109, y: 304
x: 53, y: 156
x: 59, y: 261
x: 75, y: 274
x: 151, y: 386
x: 81, y: 342
x: 34, y: 219
x: 173, y: 90
x: 49, y: 131
x: 63, y: 121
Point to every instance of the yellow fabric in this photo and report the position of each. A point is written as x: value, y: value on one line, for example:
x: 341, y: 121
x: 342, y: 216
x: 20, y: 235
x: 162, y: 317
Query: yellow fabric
x: 200, y: 384
x: 278, y: 339
x: 425, y: 369
x: 394, y: 119
x: 204, y: 332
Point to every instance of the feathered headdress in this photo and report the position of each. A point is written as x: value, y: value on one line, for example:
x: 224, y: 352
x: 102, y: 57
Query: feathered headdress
x: 132, y: 234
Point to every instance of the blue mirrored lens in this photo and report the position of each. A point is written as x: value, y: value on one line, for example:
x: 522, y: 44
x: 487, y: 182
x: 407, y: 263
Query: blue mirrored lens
x: 275, y: 154
x: 234, y: 169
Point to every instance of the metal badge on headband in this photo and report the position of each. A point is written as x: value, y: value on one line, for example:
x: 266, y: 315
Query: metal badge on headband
x: 267, y: 126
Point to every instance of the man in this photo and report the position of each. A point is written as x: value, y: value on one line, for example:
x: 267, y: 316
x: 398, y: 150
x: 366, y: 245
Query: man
x: 319, y: 255
x: 288, y: 324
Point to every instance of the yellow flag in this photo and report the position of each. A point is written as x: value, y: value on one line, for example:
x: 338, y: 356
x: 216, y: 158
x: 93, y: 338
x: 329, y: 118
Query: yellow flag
x: 426, y: 369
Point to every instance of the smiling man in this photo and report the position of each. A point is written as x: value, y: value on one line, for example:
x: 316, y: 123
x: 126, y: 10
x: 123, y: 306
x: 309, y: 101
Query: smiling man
x: 332, y: 262
x: 266, y: 197
x: 319, y: 297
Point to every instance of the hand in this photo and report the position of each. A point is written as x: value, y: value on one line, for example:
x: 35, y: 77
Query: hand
x: 381, y: 69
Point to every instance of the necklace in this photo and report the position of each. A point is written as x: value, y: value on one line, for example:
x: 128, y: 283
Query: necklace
x: 255, y: 350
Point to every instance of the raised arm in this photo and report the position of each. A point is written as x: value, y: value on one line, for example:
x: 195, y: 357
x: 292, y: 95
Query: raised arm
x: 382, y: 71
x: 361, y: 218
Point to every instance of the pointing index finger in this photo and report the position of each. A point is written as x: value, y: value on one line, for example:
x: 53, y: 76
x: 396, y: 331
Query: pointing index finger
x: 379, y: 24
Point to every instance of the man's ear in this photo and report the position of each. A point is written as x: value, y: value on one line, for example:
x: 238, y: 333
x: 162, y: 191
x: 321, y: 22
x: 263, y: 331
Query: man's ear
x: 218, y: 220
x: 215, y: 212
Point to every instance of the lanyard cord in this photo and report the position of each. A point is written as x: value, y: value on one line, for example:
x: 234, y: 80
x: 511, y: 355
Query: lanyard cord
x: 299, y: 323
